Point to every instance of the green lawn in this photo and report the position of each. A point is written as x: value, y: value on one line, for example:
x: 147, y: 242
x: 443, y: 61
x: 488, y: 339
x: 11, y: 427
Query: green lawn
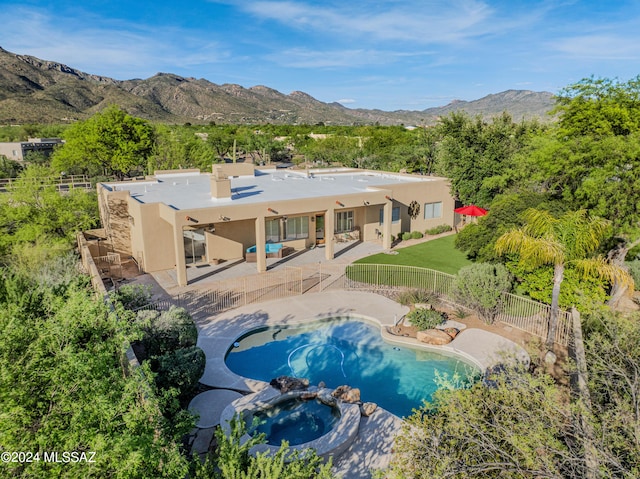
x: 438, y: 254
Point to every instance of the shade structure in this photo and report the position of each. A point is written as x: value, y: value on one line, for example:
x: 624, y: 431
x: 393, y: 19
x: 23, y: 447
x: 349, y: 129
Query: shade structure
x: 471, y: 210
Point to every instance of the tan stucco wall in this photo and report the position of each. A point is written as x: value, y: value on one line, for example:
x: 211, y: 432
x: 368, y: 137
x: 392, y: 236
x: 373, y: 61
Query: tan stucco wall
x: 151, y: 237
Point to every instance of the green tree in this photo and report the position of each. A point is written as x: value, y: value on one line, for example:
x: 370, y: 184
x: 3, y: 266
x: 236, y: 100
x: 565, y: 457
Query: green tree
x: 478, y: 239
x: 571, y: 239
x: 33, y: 212
x: 62, y: 387
x: 592, y: 159
x: 474, y: 154
x: 111, y: 142
x: 521, y: 427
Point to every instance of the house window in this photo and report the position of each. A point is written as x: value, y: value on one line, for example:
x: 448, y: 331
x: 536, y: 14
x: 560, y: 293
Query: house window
x: 296, y: 228
x: 433, y: 210
x: 272, y: 230
x: 395, y: 215
x: 344, y: 221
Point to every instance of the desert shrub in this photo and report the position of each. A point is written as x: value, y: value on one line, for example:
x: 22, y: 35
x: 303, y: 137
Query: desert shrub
x: 480, y: 286
x: 166, y: 331
x: 413, y: 296
x: 425, y: 319
x: 438, y: 229
x: 416, y: 235
x: 406, y: 236
x: 180, y: 369
x: 132, y: 296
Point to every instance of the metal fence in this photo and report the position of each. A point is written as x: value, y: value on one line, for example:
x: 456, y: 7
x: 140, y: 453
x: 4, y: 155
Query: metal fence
x: 517, y: 311
x: 256, y: 288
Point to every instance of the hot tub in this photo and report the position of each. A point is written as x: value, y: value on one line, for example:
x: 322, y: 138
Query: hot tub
x: 292, y: 419
x: 333, y: 441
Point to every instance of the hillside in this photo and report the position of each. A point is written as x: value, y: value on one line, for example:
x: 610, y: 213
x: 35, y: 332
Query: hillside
x: 41, y: 91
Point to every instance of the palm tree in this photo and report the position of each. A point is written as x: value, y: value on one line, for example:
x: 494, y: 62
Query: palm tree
x: 571, y: 239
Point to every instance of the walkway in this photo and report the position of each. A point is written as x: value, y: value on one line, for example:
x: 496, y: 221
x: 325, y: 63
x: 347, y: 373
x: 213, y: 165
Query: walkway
x: 373, y: 447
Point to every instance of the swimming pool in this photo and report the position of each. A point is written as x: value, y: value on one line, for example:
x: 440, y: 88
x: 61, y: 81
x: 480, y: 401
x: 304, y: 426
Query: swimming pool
x: 346, y: 351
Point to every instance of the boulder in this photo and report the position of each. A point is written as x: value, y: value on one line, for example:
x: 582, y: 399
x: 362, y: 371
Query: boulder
x: 368, y: 408
x: 347, y: 394
x: 308, y: 396
x: 433, y: 336
x: 325, y: 397
x: 453, y: 332
x: 286, y: 383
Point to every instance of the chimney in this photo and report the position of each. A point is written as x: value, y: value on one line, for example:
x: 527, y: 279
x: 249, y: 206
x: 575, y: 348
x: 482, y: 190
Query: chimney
x: 220, y: 184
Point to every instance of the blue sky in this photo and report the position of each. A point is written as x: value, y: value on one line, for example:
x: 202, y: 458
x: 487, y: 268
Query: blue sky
x: 386, y: 54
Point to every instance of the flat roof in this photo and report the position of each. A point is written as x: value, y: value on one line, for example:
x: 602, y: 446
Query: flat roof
x: 183, y: 191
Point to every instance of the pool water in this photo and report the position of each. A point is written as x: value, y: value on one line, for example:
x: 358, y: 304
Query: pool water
x: 294, y: 420
x: 349, y: 352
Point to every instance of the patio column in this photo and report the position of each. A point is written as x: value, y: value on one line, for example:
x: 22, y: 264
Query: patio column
x: 386, y: 225
x: 261, y: 245
x: 181, y: 264
x: 329, y: 230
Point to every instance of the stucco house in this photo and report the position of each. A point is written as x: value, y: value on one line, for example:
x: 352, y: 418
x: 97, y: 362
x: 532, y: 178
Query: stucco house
x: 19, y: 150
x: 182, y: 218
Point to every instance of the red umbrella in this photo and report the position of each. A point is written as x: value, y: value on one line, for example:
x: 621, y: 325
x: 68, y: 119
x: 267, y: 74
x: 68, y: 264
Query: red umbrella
x: 471, y: 210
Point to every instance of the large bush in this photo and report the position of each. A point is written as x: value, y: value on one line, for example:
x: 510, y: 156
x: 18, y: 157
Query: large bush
x: 166, y: 331
x: 132, y: 296
x: 180, y: 369
x: 480, y: 287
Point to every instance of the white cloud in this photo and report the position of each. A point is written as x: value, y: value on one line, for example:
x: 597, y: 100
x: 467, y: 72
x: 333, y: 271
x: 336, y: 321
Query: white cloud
x: 599, y: 47
x: 346, y: 101
x: 306, y: 58
x: 114, y: 48
x: 438, y: 21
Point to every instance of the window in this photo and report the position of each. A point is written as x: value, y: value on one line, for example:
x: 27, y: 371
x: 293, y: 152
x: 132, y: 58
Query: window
x: 296, y: 228
x: 272, y: 230
x: 344, y: 221
x: 395, y: 214
x: 433, y: 210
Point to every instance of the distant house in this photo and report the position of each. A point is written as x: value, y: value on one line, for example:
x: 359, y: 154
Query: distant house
x: 182, y: 218
x: 19, y: 150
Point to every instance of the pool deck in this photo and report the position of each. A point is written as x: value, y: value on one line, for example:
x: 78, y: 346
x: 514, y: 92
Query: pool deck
x: 373, y: 446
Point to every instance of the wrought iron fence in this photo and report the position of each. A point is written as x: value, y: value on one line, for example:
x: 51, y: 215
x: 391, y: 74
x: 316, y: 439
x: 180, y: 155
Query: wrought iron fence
x: 517, y: 311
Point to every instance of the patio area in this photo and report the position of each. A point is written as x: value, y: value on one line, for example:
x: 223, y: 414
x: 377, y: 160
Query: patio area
x: 202, y: 276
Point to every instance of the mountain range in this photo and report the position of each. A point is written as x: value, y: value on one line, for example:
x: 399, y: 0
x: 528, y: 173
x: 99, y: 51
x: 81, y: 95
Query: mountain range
x: 41, y: 91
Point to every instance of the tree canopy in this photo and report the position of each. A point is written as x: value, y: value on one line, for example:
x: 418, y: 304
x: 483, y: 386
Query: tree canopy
x: 110, y: 142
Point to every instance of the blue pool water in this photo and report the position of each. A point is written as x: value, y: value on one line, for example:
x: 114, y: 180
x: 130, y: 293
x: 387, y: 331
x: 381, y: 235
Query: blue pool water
x: 346, y: 352
x: 295, y: 421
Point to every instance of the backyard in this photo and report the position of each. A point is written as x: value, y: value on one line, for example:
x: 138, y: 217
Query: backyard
x: 439, y: 254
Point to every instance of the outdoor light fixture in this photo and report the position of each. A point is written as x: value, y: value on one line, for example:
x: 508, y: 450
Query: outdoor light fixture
x: 224, y: 218
x: 339, y: 204
x: 271, y: 210
x: 189, y: 218
x: 366, y: 203
x: 388, y: 197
